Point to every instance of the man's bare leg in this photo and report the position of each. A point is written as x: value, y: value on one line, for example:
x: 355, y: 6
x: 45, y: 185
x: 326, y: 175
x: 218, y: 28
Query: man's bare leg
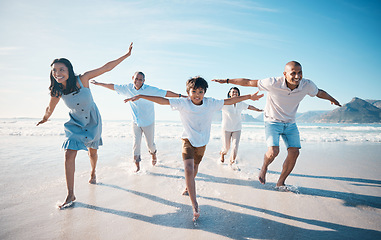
x: 69, y: 173
x: 185, y: 193
x: 93, y: 155
x: 288, y: 165
x: 269, y: 157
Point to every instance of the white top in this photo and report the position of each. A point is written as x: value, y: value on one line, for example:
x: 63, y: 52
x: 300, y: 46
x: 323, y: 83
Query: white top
x: 196, y: 119
x: 231, y: 116
x: 282, y: 102
x: 143, y: 111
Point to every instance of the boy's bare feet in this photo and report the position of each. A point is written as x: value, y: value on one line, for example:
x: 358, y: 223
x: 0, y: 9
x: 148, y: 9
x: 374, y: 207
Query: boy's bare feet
x: 196, y: 214
x: 185, y: 193
x: 68, y: 202
x: 222, y: 158
x: 137, y: 166
x: 93, y: 179
x: 154, y: 159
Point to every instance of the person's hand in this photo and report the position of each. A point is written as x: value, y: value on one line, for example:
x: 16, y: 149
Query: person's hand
x: 130, y: 50
x: 255, y: 96
x: 42, y: 121
x: 219, y: 80
x: 94, y: 82
x: 134, y: 98
x: 335, y: 102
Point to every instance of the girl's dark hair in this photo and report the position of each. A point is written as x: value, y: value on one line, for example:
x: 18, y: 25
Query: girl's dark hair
x: 197, y: 82
x: 239, y: 93
x: 71, y: 83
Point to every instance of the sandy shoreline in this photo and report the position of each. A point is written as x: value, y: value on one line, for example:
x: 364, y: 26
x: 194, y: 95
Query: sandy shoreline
x: 337, y: 194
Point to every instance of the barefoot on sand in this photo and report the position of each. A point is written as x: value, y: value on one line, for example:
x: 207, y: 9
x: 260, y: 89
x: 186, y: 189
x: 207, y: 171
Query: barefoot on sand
x: 262, y: 176
x: 185, y: 192
x: 196, y: 214
x: 154, y: 159
x: 137, y: 166
x: 222, y: 157
x: 93, y: 179
x: 68, y: 202
x: 282, y: 188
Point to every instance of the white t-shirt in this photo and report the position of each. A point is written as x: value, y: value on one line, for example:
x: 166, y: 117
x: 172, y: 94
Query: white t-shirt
x: 143, y: 111
x: 282, y: 103
x: 196, y: 119
x: 231, y: 116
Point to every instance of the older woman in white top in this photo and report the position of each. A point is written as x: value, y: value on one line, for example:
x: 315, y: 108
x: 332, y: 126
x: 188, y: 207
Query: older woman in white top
x: 232, y: 125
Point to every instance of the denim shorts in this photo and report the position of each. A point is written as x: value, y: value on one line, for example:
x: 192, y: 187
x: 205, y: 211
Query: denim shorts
x: 288, y: 131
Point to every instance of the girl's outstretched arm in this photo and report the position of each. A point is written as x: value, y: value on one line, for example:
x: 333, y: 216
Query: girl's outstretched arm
x: 49, y: 110
x: 254, y: 108
x: 254, y: 97
x: 238, y: 81
x: 155, y: 99
x: 105, y: 68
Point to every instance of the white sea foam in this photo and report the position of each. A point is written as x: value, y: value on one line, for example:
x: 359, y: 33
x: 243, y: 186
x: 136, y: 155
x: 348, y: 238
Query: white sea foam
x: 252, y: 132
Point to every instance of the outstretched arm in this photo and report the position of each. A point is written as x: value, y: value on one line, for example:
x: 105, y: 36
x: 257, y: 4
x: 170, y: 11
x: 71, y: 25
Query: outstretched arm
x: 254, y: 108
x: 49, y: 110
x: 105, y: 68
x: 173, y: 94
x: 106, y: 85
x: 254, y: 97
x: 324, y: 95
x: 155, y: 99
x: 239, y: 81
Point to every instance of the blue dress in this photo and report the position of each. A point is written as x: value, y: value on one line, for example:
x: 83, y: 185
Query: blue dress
x: 84, y: 128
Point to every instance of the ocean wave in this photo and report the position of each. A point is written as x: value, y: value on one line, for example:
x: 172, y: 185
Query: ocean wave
x: 252, y: 132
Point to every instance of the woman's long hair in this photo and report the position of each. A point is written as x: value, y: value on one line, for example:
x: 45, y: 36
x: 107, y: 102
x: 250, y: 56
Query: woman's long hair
x: 71, y: 83
x: 239, y: 93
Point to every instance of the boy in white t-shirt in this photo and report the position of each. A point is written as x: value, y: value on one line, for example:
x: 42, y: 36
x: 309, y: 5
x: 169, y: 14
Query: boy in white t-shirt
x: 196, y: 114
x: 283, y: 98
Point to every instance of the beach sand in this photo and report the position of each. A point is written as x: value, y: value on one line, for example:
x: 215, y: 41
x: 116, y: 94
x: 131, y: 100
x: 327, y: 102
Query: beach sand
x: 336, y: 193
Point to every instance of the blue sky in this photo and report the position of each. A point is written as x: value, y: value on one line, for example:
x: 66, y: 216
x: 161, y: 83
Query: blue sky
x: 336, y: 41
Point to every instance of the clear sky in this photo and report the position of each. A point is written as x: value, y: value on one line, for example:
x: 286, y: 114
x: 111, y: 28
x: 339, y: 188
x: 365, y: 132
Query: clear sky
x: 336, y: 41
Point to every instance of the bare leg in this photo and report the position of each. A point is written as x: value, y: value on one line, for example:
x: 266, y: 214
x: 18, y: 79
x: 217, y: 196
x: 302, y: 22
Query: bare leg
x: 288, y: 165
x: 269, y: 157
x: 69, y: 172
x: 191, y: 185
x: 222, y: 157
x: 195, y: 173
x: 93, y: 155
x: 137, y: 166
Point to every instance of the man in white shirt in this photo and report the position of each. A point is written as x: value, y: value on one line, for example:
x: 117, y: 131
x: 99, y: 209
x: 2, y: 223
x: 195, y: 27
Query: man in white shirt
x: 142, y: 111
x: 196, y: 114
x: 283, y: 98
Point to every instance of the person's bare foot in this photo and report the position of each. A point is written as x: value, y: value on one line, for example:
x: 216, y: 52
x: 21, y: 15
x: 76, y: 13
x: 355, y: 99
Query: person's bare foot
x: 282, y: 188
x: 222, y: 157
x: 185, y: 192
x: 70, y: 199
x: 93, y: 179
x: 196, y: 214
x: 262, y: 176
x: 137, y: 166
x: 154, y: 159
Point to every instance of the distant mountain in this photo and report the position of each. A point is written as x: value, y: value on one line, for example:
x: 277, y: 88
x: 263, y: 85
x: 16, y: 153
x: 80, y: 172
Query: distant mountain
x: 376, y: 103
x: 356, y: 111
x: 310, y: 116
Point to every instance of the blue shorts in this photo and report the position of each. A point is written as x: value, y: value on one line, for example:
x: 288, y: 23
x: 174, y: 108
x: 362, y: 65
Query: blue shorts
x: 288, y: 131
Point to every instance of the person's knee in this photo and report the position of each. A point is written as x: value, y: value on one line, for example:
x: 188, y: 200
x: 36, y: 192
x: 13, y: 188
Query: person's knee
x: 93, y: 154
x: 272, y: 152
x: 188, y: 167
x: 294, y: 152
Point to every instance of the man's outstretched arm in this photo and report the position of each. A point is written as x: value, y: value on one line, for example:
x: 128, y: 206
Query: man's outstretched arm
x: 155, y: 99
x: 239, y: 81
x: 324, y: 95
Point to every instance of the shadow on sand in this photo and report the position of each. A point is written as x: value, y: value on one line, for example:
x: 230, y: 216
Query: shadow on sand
x: 237, y: 225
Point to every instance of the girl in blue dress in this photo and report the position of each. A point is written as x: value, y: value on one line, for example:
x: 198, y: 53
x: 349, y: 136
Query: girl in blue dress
x: 83, y: 130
